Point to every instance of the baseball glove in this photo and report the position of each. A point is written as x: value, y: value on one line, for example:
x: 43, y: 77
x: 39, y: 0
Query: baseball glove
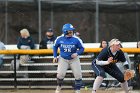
x: 128, y: 74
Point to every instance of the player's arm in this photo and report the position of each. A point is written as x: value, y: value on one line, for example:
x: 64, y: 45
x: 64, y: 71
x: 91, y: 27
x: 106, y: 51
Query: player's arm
x: 80, y: 49
x: 103, y: 59
x: 104, y: 62
x: 55, y: 49
x: 80, y: 46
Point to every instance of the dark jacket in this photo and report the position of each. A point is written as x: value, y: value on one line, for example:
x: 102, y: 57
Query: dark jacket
x: 45, y: 41
x: 25, y: 41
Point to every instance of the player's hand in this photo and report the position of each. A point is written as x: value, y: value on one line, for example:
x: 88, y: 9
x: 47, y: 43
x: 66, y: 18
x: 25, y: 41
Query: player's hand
x: 74, y: 55
x: 110, y: 59
x: 55, y: 60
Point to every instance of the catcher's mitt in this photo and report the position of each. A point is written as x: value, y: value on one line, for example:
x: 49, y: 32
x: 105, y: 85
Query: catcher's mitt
x: 128, y: 74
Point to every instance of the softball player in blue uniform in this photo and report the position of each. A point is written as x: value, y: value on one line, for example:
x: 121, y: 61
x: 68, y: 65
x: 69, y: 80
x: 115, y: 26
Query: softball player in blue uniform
x: 70, y: 47
x: 105, y: 62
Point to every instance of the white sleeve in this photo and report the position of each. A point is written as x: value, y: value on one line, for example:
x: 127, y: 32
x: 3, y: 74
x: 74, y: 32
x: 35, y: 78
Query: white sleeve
x: 102, y: 63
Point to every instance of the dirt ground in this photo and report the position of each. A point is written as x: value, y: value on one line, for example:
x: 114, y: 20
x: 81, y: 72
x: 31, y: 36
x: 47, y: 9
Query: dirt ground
x: 64, y: 91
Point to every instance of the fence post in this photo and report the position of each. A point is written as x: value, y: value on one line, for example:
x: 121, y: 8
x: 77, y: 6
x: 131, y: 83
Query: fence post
x: 15, y: 73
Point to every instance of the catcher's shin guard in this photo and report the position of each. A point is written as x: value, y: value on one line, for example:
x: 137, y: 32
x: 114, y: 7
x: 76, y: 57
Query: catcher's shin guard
x: 59, y: 82
x: 78, y: 84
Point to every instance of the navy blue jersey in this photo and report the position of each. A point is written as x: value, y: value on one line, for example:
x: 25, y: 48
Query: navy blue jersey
x: 111, y: 68
x: 25, y: 41
x: 106, y: 53
x: 68, y: 46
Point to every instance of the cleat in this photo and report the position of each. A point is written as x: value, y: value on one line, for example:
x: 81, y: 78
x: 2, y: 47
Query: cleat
x: 58, y: 89
x: 77, y: 91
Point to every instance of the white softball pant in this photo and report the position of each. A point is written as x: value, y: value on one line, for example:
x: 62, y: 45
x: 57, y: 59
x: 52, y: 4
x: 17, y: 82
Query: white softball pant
x: 64, y: 64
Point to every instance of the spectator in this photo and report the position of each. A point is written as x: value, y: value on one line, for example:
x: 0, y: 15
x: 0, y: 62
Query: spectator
x: 103, y: 44
x: 2, y: 47
x: 25, y: 41
x: 47, y: 42
x: 77, y: 34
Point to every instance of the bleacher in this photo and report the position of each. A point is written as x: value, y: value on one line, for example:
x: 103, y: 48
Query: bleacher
x: 41, y: 71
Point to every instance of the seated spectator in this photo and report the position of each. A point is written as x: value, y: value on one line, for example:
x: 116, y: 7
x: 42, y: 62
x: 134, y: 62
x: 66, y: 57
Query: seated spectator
x: 48, y: 41
x: 2, y: 47
x: 25, y: 41
x: 103, y: 44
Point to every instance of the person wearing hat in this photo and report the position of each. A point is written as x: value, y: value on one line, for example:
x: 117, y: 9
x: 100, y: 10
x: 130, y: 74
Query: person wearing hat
x: 47, y: 42
x: 70, y: 48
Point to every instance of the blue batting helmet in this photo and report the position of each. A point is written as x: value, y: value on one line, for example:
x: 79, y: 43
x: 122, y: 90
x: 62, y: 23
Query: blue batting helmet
x: 67, y: 27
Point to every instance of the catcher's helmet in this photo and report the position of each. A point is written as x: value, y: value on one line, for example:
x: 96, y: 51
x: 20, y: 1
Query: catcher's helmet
x: 67, y: 27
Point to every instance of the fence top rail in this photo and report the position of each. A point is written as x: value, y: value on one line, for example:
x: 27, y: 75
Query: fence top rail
x: 129, y: 47
x: 50, y: 51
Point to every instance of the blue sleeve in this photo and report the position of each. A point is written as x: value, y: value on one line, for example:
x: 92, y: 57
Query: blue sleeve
x: 81, y: 47
x: 55, y: 48
x: 19, y: 43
